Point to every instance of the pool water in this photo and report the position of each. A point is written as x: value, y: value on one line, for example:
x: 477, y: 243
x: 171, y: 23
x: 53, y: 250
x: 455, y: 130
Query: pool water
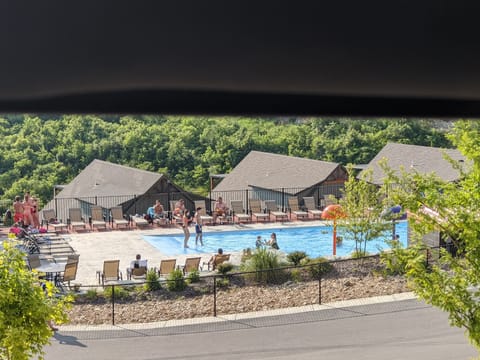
x: 314, y: 240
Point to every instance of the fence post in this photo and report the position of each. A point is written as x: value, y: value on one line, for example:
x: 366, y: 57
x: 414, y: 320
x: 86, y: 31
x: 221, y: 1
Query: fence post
x: 426, y: 257
x: 135, y: 203
x: 247, y: 204
x: 283, y: 199
x: 214, y: 295
x: 113, y: 304
x: 319, y: 289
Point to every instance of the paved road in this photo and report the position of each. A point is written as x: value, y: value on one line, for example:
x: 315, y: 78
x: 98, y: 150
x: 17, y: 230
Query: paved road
x: 399, y: 330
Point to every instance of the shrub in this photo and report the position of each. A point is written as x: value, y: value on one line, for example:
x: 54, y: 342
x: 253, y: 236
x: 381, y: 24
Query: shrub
x: 193, y: 276
x: 358, y: 254
x: 91, y: 294
x: 152, y: 281
x: 224, y: 268
x: 246, y: 255
x: 176, y: 281
x: 395, y: 262
x: 319, y: 267
x: 223, y: 282
x: 261, y: 261
x: 119, y: 292
x: 296, y: 275
x: 296, y: 257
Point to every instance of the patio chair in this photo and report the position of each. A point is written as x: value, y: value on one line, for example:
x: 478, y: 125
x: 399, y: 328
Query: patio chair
x: 272, y: 209
x: 139, y: 221
x: 295, y: 209
x: 216, y: 260
x: 166, y: 267
x: 139, y: 273
x: 191, y: 264
x: 111, y: 271
x: 203, y: 212
x: 50, y: 219
x: 72, y: 258
x: 309, y: 203
x: 117, y: 217
x: 98, y: 221
x: 33, y: 261
x: 75, y: 219
x: 238, y: 212
x: 68, y: 275
x: 256, y: 209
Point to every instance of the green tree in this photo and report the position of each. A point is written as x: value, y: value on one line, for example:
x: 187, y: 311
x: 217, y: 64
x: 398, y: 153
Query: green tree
x: 25, y: 308
x: 453, y: 282
x: 362, y: 207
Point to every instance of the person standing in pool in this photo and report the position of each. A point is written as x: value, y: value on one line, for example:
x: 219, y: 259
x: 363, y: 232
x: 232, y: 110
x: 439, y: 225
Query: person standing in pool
x: 198, y: 227
x: 259, y: 242
x: 273, y: 242
x: 185, y: 220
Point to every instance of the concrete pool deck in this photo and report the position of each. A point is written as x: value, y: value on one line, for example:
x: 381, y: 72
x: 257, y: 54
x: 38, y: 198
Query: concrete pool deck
x: 96, y: 246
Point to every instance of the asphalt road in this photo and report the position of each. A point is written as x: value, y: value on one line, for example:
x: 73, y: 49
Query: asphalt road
x: 402, y: 330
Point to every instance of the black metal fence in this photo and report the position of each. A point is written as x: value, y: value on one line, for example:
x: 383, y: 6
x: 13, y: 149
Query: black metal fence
x: 239, y: 292
x: 138, y: 204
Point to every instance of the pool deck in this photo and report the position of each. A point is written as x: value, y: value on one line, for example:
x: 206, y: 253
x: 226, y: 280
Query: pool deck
x: 96, y: 246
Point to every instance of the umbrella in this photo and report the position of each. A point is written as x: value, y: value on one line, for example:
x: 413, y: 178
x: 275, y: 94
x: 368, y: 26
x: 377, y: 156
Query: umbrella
x: 333, y: 212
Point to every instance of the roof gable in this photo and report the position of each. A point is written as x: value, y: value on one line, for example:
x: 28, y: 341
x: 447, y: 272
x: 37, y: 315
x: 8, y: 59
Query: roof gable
x: 273, y: 171
x: 103, y: 178
x: 423, y: 159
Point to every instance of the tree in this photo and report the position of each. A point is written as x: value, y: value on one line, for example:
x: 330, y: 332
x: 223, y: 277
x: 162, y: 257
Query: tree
x: 453, y: 282
x: 25, y: 308
x: 362, y: 207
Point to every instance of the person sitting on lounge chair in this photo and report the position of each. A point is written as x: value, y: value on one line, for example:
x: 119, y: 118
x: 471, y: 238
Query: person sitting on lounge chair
x: 212, y: 259
x: 179, y: 207
x: 158, y: 212
x: 220, y: 209
x: 138, y: 262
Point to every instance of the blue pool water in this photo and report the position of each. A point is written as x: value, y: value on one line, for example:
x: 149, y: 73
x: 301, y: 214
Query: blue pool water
x: 314, y: 240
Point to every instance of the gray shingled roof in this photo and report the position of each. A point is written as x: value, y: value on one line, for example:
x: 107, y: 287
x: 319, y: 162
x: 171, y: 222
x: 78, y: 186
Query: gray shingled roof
x: 102, y: 178
x: 273, y: 171
x: 422, y: 159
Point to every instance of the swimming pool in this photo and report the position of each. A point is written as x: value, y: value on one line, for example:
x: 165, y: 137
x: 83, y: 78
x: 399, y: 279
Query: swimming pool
x: 314, y: 240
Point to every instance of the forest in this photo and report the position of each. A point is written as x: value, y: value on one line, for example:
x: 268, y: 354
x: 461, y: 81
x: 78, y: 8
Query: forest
x: 40, y: 151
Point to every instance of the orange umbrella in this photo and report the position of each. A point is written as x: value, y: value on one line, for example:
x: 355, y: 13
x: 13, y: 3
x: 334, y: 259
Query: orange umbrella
x: 333, y: 212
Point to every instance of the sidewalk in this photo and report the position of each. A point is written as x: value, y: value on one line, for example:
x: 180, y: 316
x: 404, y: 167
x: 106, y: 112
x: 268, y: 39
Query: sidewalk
x: 337, y: 310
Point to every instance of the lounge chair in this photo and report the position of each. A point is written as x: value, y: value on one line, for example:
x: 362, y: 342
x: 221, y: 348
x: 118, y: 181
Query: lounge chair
x: 238, y: 212
x: 256, y: 209
x: 111, y: 271
x: 272, y: 209
x: 203, y: 212
x: 139, y: 221
x: 117, y: 217
x: 328, y: 199
x: 177, y: 219
x: 216, y: 260
x: 98, y: 222
x: 75, y: 219
x: 191, y: 264
x: 50, y: 219
x: 68, y: 275
x: 166, y: 267
x: 137, y: 273
x: 295, y: 209
x: 309, y: 203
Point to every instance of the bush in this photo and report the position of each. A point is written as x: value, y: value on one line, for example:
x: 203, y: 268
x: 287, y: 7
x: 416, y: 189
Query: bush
x: 246, y: 255
x: 152, y: 281
x: 296, y: 275
x: 358, y: 254
x: 119, y: 292
x: 224, y: 268
x: 91, y: 294
x: 296, y: 257
x: 193, y: 276
x: 261, y: 261
x: 176, y: 281
x: 223, y: 282
x: 319, y: 267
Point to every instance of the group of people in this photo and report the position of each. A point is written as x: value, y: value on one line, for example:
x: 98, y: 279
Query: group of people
x: 272, y: 242
x: 220, y: 209
x: 25, y: 212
